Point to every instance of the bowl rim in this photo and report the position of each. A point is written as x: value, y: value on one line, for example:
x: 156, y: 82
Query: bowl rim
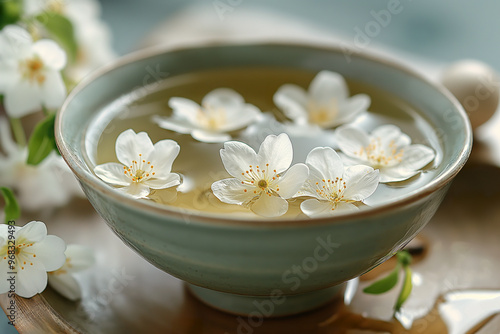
x: 194, y: 216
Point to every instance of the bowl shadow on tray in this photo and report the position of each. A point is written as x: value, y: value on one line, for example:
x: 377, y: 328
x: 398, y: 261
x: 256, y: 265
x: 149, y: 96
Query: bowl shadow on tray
x: 472, y: 198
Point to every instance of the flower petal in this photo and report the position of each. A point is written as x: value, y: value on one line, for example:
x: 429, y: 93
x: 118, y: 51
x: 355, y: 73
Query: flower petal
x: 292, y: 100
x: 173, y: 124
x: 7, y: 143
x: 310, y: 187
x: 417, y: 156
x: 343, y: 207
x: 112, y: 173
x: 9, y: 76
x: 237, y: 157
x: 326, y: 161
x: 396, y: 174
x: 327, y: 86
x: 14, y: 42
x: 352, y: 108
x: 239, y: 118
x: 163, y: 155
x: 361, y: 181
x: 210, y: 137
x: 22, y: 98
x: 169, y: 181
x: 31, y: 280
x: 51, y: 54
x: 136, y: 190
x: 222, y: 98
x: 129, y: 145
x: 316, y: 208
x: 4, y: 269
x: 53, y: 90
x: 352, y: 141
x: 391, y: 137
x: 292, y: 181
x: 66, y: 285
x: 50, y: 252
x: 276, y: 151
x: 34, y: 231
x: 185, y: 109
x: 270, y: 206
x: 232, y: 191
x: 80, y: 257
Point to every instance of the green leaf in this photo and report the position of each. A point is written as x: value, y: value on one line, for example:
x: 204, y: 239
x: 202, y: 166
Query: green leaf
x: 61, y: 29
x: 404, y: 258
x: 12, y: 210
x: 405, y: 290
x: 10, y: 12
x: 385, y: 284
x: 42, y: 141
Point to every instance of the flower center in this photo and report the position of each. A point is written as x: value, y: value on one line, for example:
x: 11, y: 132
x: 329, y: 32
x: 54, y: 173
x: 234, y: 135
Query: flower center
x: 332, y: 190
x: 21, y: 253
x: 211, y: 118
x: 320, y: 113
x: 380, y: 157
x: 263, y: 179
x: 140, y: 170
x: 57, y: 6
x: 32, y: 70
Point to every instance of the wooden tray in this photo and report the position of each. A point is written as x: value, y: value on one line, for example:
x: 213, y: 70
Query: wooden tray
x: 125, y: 294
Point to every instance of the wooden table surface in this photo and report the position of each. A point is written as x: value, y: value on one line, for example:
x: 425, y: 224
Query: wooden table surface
x: 125, y: 294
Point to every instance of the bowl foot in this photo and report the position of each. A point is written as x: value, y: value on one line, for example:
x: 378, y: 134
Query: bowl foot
x: 276, y: 305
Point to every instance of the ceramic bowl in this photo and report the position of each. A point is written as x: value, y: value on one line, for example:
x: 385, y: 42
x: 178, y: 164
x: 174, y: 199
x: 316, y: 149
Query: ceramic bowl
x: 272, y: 267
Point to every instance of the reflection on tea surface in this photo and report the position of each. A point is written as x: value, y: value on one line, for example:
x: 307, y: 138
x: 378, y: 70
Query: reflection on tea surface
x: 200, y: 164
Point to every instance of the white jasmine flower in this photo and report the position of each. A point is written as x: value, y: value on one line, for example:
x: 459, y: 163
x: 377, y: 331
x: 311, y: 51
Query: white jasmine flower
x: 222, y: 110
x: 35, y: 254
x: 31, y: 77
x: 326, y: 104
x: 44, y: 186
x: 143, y: 166
x: 334, y: 187
x: 91, y: 33
x: 260, y: 181
x: 386, y: 149
x: 78, y: 258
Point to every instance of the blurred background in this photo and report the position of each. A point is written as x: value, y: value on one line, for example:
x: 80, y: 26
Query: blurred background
x: 443, y: 31
x: 425, y: 34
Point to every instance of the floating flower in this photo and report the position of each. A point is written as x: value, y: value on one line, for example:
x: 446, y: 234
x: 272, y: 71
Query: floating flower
x: 260, y: 181
x: 44, y: 186
x: 326, y: 104
x: 143, y: 166
x: 221, y: 111
x: 78, y: 258
x: 334, y: 187
x: 386, y: 149
x: 31, y: 77
x: 35, y: 253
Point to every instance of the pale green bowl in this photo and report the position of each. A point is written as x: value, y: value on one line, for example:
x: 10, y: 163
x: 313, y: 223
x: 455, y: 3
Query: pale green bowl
x: 244, y: 266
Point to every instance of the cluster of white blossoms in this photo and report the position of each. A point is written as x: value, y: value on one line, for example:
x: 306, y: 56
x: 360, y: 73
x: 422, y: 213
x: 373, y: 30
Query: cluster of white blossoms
x: 46, y: 47
x: 35, y: 76
x: 37, y: 259
x: 264, y: 181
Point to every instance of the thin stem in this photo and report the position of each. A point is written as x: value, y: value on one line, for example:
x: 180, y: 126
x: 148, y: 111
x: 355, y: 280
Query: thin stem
x: 18, y: 130
x: 45, y: 111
